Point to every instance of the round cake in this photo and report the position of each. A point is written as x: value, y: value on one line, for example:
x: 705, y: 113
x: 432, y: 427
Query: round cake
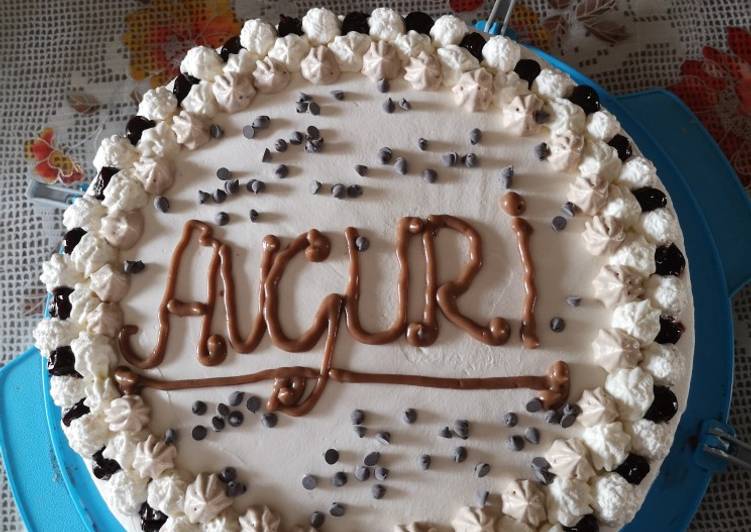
x: 370, y: 272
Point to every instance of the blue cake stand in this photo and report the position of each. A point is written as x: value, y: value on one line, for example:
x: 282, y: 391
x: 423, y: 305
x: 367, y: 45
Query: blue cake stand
x: 54, y: 492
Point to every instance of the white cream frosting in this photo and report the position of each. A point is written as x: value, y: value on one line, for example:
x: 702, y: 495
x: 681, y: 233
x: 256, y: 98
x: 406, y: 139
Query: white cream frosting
x: 83, y: 301
x: 417, y: 526
x: 260, y: 519
x: 622, y: 205
x: 190, y: 131
x: 614, y: 348
x: 637, y: 253
x: 122, y: 229
x: 91, y: 253
x: 385, y: 24
x: 637, y: 318
x: 589, y: 193
x: 633, y: 391
x: 565, y: 149
x: 226, y: 521
x: 473, y: 519
x: 450, y: 29
x: 157, y: 104
x: 233, y: 92
x: 602, y: 125
x: 202, y: 62
x: 290, y: 50
x: 608, y: 444
x: 124, y: 193
x: 99, y: 394
x: 566, y: 115
x: 474, y: 91
x: 127, y: 413
x: 524, y: 501
x: 115, y: 151
x: 412, y: 44
x: 518, y: 116
x: 156, y: 175
x: 665, y: 363
x: 58, y: 271
x: 423, y: 72
x: 158, y: 142
x: 200, y: 101
x: 52, y: 333
x: 270, y: 76
x: 381, y: 61
x: 109, y: 284
x: 153, y: 457
x: 66, y: 390
x: 615, y: 500
x: 205, y: 498
x: 320, y: 66
x: 668, y: 293
x: 570, y: 459
x: 349, y: 50
x: 121, y: 447
x: 320, y: 25
x: 597, y: 408
x: 94, y: 354
x: 551, y: 83
x: 602, y: 234
x: 649, y: 439
x: 600, y: 159
x: 455, y: 60
x: 179, y: 524
x: 637, y: 172
x: 618, y: 284
x: 569, y: 499
x: 499, y: 53
x: 257, y: 36
x: 659, y: 226
x: 166, y: 492
x: 127, y: 492
x: 508, y: 85
x: 87, y: 434
x: 243, y: 62
x: 85, y: 212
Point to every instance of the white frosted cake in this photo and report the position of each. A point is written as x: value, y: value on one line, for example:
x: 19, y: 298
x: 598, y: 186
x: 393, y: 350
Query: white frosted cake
x: 365, y: 273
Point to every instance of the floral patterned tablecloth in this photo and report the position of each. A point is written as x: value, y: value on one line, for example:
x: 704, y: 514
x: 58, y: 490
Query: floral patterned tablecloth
x: 73, y: 70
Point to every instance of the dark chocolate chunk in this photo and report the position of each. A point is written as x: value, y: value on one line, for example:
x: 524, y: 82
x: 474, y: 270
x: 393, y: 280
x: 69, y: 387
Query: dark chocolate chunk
x: 253, y: 404
x: 587, y: 98
x: 542, y: 151
x: 419, y: 22
x: 161, y: 204
x: 103, y: 468
x: 228, y: 474
x: 528, y: 70
x: 199, y: 432
x: 671, y: 330
x: 474, y: 42
x: 355, y: 21
x: 230, y: 46
x: 151, y: 519
x: 461, y: 428
x: 634, y: 468
x: 101, y: 181
x: 59, y: 305
x: 199, y: 408
x: 62, y: 362
x: 182, y: 85
x: 136, y: 126
x: 669, y: 260
x: 482, y: 498
x: 541, y: 117
x: 588, y: 523
x: 664, y: 406
x: 424, y: 461
x: 331, y: 456
x: 650, y: 198
x: 71, y: 239
x: 133, y: 266
x: 289, y: 25
x: 622, y: 145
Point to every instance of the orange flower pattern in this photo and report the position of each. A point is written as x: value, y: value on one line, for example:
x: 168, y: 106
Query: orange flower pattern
x: 159, y: 34
x: 52, y: 164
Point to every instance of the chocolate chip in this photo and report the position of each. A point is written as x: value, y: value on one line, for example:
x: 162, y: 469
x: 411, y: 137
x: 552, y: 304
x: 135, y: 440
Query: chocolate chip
x: 588, y: 523
x: 430, y: 175
x: 543, y: 476
x: 314, y: 109
x: 362, y: 473
x: 361, y: 170
x: 389, y: 105
x: 235, y: 418
x: 362, y: 243
x: 542, y: 151
x: 223, y: 173
x: 528, y: 70
x: 253, y: 215
x: 221, y: 218
x: 459, y: 454
x: 473, y: 43
x: 623, y: 146
x: 71, y: 239
x: 269, y: 420
x: 313, y: 146
x: 553, y: 417
x: 281, y: 171
x: 401, y: 166
x: 532, y: 435
x: 133, y: 266
x: 445, y: 432
x: 357, y: 417
x: 331, y: 456
x: 170, y: 436
x: 482, y: 498
x: 558, y: 223
x: 235, y: 489
x: 313, y: 132
x: 355, y: 21
x: 515, y: 443
x: 261, y: 122
x: 309, y: 482
x: 510, y: 419
x: 337, y: 94
x: 409, y: 416
x: 534, y: 405
x: 360, y: 431
x: 203, y: 197
x: 405, y: 105
x: 557, y: 324
x: 60, y: 305
x: 585, y: 97
x: 569, y: 209
x: 383, y: 437
x: 314, y: 187
x: 419, y: 22
x: 62, y: 362
x: 199, y: 432
x: 339, y: 479
x: 232, y: 186
x: 266, y: 157
x: 337, y: 509
x: 573, y: 301
x: 481, y: 470
x: 228, y: 474
x: 219, y: 196
x: 301, y: 107
x: 296, y: 138
x: 378, y: 491
x: 253, y: 404
x: 249, y: 132
x: 385, y: 154
x: 634, y: 468
x: 650, y: 198
x: 104, y: 468
x: 317, y: 519
x: 136, y: 126
x: 383, y: 85
x: 354, y: 191
x: 304, y: 97
x: 371, y: 459
x: 449, y: 159
x: 475, y: 136
x: 471, y: 160
x: 422, y: 144
x: 424, y: 461
x: 280, y: 145
x: 461, y: 428
x: 507, y: 176
x: 218, y: 423
x: 539, y: 462
x: 199, y: 408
